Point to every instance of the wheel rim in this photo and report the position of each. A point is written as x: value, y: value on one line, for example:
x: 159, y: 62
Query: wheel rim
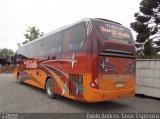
x: 19, y: 79
x: 49, y: 89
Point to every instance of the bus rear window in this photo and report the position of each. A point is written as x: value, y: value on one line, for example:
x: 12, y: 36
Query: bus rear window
x: 114, y: 32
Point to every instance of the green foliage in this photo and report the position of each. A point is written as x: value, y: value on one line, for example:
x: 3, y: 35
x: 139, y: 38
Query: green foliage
x: 6, y: 52
x: 19, y: 45
x: 147, y: 57
x: 31, y: 34
x: 146, y: 25
x: 1, y: 55
x: 149, y: 50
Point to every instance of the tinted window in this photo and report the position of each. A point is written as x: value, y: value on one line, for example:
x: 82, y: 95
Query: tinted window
x: 54, y: 43
x: 32, y: 50
x: 74, y: 37
x: 114, y: 32
x: 42, y: 47
x: 24, y: 51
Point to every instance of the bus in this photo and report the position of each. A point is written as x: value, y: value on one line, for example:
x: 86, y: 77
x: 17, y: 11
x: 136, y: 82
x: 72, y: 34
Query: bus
x: 91, y: 60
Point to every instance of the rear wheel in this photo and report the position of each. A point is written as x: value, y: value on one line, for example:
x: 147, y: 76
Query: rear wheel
x: 50, y: 88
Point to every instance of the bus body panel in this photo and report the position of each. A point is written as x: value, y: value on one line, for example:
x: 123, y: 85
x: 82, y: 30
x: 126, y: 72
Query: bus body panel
x: 116, y: 73
x: 115, y: 69
x: 65, y: 75
x: 94, y: 95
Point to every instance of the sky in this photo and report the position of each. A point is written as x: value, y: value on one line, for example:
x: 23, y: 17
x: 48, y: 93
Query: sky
x: 48, y: 15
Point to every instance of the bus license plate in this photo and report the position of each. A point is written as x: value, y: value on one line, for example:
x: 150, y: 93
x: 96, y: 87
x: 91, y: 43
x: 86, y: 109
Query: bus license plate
x: 120, y: 84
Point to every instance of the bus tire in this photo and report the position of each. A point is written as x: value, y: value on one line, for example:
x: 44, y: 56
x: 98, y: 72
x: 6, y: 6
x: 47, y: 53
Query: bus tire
x: 50, y: 88
x: 19, y: 79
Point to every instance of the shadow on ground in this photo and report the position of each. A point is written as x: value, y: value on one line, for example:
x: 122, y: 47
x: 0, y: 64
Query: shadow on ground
x: 108, y: 106
x: 145, y: 96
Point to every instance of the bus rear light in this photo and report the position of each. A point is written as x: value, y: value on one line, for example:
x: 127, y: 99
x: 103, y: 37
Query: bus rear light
x: 94, y: 82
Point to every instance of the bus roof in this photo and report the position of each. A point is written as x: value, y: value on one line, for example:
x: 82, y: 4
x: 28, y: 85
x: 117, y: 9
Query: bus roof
x: 108, y: 20
x: 67, y: 26
x: 55, y: 31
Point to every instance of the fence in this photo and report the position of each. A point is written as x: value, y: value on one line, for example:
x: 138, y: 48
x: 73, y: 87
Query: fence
x: 148, y: 77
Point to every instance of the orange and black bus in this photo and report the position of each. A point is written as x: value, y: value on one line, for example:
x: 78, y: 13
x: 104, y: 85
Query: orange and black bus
x: 92, y: 60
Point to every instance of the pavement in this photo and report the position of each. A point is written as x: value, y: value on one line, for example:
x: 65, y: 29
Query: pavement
x: 15, y: 98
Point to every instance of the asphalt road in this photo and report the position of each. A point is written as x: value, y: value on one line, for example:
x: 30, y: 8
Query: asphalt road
x: 28, y: 99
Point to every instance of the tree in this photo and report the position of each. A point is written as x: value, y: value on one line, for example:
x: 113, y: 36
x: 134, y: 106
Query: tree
x: 6, y: 52
x: 1, y: 55
x: 147, y: 26
x: 19, y: 45
x: 31, y: 34
x: 10, y: 52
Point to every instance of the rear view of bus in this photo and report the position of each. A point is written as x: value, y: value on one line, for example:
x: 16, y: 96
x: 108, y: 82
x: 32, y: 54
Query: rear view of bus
x: 92, y: 60
x: 113, y: 62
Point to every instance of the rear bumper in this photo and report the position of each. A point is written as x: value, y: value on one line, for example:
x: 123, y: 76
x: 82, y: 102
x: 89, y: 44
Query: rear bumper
x: 95, y: 95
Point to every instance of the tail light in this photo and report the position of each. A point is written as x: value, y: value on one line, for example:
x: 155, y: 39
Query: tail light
x: 94, y: 82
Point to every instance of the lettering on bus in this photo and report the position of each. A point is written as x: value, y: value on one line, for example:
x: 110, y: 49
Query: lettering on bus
x: 117, y: 40
x: 110, y: 26
x: 117, y: 76
x: 115, y: 32
x: 31, y: 63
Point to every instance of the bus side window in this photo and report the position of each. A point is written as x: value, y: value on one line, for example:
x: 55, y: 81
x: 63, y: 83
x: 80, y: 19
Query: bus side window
x: 74, y: 38
x: 25, y: 51
x: 54, y: 44
x: 66, y: 40
x: 40, y: 48
x: 77, y: 37
x: 32, y: 50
